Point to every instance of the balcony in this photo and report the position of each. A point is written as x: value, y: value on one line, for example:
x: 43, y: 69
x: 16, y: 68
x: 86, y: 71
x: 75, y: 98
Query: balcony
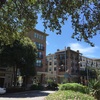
x: 39, y: 65
x: 76, y: 58
x: 61, y: 68
x: 40, y: 56
x: 40, y: 48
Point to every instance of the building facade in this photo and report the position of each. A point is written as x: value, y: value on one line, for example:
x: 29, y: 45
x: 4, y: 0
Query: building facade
x: 52, y: 67
x: 87, y: 65
x: 68, y: 66
x: 64, y: 63
x: 89, y: 62
x: 6, y: 77
x: 39, y: 38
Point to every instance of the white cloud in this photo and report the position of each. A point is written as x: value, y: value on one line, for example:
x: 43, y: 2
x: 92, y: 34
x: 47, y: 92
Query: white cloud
x: 86, y: 51
x: 47, y: 42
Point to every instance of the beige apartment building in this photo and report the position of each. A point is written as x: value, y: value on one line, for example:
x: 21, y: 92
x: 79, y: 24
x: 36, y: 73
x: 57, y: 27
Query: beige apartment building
x: 52, y: 67
x: 89, y: 62
x: 85, y: 64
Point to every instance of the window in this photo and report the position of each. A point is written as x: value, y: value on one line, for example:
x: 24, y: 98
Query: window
x: 50, y: 58
x: 49, y: 69
x: 55, y: 63
x: 54, y: 68
x: 39, y: 46
x: 50, y: 63
x: 38, y: 36
x: 35, y: 35
x: 62, y: 57
x: 39, y: 55
x: 39, y: 63
x: 41, y: 37
x: 55, y: 57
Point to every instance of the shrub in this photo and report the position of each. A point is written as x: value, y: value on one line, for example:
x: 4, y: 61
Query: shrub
x: 52, y: 85
x: 69, y: 95
x: 96, y: 90
x: 74, y: 87
x: 36, y: 87
x: 49, y: 81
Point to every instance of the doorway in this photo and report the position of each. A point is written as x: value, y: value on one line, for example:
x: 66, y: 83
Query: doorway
x: 1, y: 82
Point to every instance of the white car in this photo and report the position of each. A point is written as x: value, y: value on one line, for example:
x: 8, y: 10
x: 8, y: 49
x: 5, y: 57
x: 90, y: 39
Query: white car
x: 2, y: 90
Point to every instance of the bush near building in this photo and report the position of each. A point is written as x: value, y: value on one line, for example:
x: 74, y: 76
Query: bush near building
x: 69, y: 95
x: 36, y: 87
x: 95, y: 89
x: 74, y: 87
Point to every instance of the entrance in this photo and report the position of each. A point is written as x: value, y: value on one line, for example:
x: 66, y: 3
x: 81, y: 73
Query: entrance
x: 1, y: 82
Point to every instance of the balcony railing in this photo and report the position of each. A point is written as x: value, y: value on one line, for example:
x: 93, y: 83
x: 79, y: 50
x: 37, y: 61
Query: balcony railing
x: 40, y: 56
x: 39, y: 65
x: 40, y: 48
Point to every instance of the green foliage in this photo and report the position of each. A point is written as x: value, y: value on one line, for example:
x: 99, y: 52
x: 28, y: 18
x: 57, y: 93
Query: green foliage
x: 92, y: 73
x: 14, y: 16
x: 20, y: 54
x: 74, y: 87
x: 36, y: 87
x: 96, y: 90
x: 49, y: 81
x: 84, y: 15
x: 52, y: 85
x: 94, y: 87
x: 69, y: 95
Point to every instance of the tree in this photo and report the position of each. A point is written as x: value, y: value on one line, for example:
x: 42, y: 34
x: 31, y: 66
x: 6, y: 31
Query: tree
x: 20, y: 54
x: 21, y: 16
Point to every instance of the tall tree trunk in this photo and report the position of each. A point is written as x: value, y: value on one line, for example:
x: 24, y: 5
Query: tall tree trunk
x: 15, y: 75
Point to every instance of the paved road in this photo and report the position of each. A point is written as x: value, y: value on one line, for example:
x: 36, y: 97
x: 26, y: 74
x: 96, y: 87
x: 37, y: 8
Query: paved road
x: 29, y: 95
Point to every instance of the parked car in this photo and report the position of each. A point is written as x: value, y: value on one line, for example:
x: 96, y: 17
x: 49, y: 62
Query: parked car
x: 2, y: 90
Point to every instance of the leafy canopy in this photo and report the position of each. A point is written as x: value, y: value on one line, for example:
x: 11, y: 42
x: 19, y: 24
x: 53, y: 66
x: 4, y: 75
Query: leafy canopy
x: 21, y: 15
x: 20, y: 54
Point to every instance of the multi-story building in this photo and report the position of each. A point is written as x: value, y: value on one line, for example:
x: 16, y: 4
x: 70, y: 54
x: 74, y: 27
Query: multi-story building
x: 97, y: 65
x: 52, y: 67
x: 39, y: 38
x: 86, y: 64
x: 6, y: 76
x: 89, y: 62
x: 66, y: 63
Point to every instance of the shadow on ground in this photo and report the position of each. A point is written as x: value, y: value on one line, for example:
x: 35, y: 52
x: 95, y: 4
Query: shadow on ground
x: 25, y: 94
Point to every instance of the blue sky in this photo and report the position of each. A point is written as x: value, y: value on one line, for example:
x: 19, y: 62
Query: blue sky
x: 55, y: 41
